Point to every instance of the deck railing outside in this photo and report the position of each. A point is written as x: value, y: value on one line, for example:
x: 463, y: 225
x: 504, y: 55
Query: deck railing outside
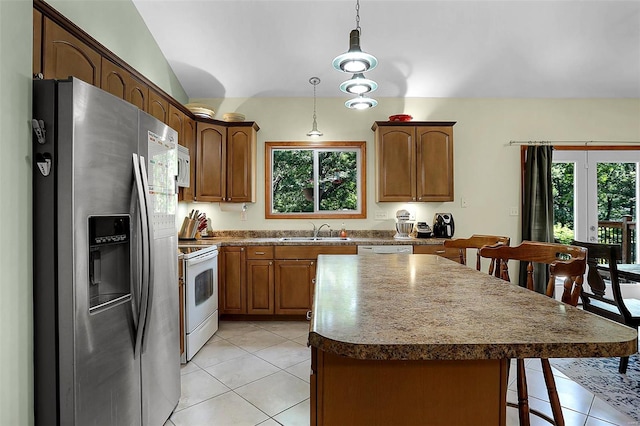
x: 621, y: 232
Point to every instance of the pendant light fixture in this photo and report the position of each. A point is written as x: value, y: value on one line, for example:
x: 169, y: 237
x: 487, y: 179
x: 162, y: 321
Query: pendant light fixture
x: 357, y: 62
x: 358, y: 85
x: 314, y: 129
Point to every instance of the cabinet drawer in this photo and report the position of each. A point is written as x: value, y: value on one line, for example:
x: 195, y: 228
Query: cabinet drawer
x: 260, y: 252
x: 311, y: 252
x: 440, y: 250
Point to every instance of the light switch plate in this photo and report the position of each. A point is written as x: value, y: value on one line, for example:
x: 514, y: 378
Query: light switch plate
x: 380, y: 215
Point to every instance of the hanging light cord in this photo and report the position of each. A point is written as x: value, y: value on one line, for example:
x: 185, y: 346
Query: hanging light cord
x: 358, y: 16
x: 314, y: 101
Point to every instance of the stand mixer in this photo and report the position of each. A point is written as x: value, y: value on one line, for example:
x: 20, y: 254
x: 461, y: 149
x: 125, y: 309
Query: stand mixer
x: 403, y: 225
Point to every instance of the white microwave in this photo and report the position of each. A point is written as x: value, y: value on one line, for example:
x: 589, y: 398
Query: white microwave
x: 184, y: 166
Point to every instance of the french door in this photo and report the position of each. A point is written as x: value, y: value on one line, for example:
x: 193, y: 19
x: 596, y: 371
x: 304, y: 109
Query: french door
x: 603, y: 198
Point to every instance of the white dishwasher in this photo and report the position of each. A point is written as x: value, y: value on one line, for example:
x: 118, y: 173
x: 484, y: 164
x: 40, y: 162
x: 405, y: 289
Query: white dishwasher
x: 386, y: 249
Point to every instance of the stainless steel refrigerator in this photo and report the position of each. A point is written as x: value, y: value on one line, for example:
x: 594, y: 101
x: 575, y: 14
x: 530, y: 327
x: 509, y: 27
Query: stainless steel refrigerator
x: 106, y: 314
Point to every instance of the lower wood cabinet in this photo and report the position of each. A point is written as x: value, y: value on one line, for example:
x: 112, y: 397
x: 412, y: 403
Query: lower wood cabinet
x: 440, y: 250
x: 294, y: 286
x: 270, y: 280
x: 232, y: 297
x: 260, y: 280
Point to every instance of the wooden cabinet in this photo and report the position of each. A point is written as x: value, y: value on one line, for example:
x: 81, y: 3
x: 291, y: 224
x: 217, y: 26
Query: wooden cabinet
x: 232, y: 281
x: 241, y: 164
x: 211, y: 151
x: 37, y: 42
x: 295, y: 272
x: 185, y: 126
x: 414, y: 161
x: 158, y: 106
x: 138, y: 93
x: 440, y: 250
x: 294, y: 286
x: 115, y: 79
x: 225, y: 162
x: 65, y: 55
x: 260, y: 280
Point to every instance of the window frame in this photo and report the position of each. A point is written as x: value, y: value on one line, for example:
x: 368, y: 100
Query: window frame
x: 315, y: 145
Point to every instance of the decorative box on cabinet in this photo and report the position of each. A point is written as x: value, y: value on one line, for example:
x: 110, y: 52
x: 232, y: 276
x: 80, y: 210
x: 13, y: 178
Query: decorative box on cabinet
x: 414, y: 161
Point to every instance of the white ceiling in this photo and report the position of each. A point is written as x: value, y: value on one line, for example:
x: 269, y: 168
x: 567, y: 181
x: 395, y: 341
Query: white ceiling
x: 463, y: 49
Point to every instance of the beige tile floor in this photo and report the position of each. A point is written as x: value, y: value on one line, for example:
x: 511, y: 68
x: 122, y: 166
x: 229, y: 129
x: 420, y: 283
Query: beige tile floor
x: 257, y: 373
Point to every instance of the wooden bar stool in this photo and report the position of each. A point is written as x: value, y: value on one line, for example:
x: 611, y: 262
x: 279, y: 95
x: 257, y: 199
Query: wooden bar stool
x: 564, y: 261
x: 476, y: 242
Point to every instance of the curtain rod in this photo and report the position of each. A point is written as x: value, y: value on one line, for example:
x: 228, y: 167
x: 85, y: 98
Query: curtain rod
x: 585, y: 143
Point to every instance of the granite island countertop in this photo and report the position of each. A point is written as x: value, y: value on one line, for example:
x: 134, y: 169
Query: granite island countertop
x: 425, y: 307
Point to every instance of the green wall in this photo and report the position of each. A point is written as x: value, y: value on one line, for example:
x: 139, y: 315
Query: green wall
x: 16, y: 373
x: 118, y: 26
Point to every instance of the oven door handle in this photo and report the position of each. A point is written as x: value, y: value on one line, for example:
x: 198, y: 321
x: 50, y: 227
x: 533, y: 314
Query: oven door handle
x: 208, y: 256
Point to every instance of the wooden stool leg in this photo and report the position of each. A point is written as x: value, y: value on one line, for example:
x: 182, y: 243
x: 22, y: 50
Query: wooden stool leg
x: 523, y: 395
x: 553, y: 393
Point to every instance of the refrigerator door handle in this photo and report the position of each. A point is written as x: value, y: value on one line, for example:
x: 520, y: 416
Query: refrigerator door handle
x: 144, y: 286
x: 150, y: 249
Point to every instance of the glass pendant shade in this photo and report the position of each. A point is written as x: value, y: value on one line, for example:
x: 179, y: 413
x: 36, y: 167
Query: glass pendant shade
x: 361, y: 102
x: 355, y: 60
x: 314, y: 130
x: 358, y: 85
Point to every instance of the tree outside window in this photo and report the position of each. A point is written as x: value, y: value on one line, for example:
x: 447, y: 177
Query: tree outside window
x: 319, y: 179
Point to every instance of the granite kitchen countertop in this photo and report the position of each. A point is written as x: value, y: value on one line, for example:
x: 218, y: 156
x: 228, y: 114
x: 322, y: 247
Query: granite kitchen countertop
x: 256, y: 238
x: 424, y: 307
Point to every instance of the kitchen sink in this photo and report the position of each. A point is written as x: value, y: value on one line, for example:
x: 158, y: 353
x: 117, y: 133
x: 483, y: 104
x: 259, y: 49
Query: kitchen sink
x: 321, y: 239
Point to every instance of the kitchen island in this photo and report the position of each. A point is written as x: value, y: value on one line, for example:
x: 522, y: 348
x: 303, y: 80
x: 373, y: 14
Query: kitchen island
x: 419, y: 339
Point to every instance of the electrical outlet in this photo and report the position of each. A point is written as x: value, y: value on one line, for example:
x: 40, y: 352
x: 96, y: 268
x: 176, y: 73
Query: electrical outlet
x: 412, y: 216
x: 464, y: 203
x: 243, y: 215
x: 380, y: 215
x: 513, y: 211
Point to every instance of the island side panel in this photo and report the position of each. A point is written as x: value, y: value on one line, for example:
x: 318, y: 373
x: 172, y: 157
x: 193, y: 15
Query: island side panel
x: 372, y: 392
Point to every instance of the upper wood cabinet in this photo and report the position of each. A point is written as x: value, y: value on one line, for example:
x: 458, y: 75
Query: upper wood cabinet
x: 186, y: 128
x: 211, y: 151
x: 241, y: 164
x: 37, y: 42
x: 226, y: 161
x: 65, y: 55
x: 138, y: 93
x: 115, y: 79
x: 414, y: 161
x: 158, y: 107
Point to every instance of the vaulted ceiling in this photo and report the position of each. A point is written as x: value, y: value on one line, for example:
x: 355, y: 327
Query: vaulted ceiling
x: 460, y: 49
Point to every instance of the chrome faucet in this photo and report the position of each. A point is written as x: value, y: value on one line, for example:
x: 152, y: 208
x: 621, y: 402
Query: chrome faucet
x: 316, y: 232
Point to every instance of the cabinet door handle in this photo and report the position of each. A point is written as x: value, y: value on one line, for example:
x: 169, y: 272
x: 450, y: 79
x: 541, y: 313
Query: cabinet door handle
x: 270, y: 263
x: 241, y: 248
x: 311, y: 263
x: 259, y: 253
x: 313, y: 280
x: 229, y: 198
x: 440, y: 251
